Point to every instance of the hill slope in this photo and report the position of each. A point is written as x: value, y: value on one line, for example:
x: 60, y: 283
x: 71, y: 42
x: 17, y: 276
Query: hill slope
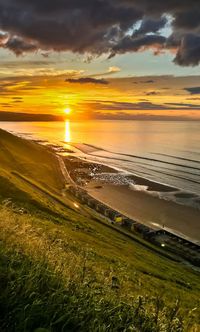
x: 64, y: 270
x: 29, y: 159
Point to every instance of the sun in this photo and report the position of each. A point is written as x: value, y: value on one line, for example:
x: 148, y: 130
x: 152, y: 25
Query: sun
x: 67, y: 111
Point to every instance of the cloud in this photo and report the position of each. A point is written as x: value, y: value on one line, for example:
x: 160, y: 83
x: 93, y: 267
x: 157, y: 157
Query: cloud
x: 17, y: 98
x: 139, y: 106
x: 144, y: 82
x: 193, y: 90
x: 189, y: 51
x: 135, y: 44
x: 3, y: 38
x: 14, y: 116
x: 19, y: 45
x: 152, y: 93
x: 149, y: 81
x: 87, y: 80
x: 152, y: 25
x: 183, y: 105
x: 111, y: 70
x: 25, y: 63
x: 114, y: 69
x: 96, y: 27
x: 197, y: 98
x: 140, y: 117
x: 35, y: 68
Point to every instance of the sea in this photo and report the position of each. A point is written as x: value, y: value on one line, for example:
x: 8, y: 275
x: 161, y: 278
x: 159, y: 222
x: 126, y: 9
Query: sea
x: 167, y: 152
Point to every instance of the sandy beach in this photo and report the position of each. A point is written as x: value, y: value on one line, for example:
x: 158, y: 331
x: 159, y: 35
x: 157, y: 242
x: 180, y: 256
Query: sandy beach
x: 147, y: 204
x: 148, y: 209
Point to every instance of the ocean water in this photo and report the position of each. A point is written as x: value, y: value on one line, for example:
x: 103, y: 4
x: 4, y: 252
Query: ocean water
x: 163, y: 151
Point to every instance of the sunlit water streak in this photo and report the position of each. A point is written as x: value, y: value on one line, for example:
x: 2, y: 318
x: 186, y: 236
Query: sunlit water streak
x: 67, y: 132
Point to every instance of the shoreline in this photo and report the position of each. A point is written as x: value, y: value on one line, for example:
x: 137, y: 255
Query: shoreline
x: 145, y: 206
x: 161, y: 189
x: 111, y: 187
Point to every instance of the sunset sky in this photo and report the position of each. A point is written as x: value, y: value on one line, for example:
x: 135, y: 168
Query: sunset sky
x: 102, y: 59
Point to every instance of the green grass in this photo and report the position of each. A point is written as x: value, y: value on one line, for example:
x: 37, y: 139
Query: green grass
x: 50, y: 282
x: 30, y: 159
x: 62, y: 270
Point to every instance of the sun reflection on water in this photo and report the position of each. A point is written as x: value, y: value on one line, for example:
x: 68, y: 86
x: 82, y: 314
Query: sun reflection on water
x: 67, y: 131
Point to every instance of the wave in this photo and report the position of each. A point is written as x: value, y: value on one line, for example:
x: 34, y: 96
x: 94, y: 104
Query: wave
x: 157, y: 160
x: 138, y: 187
x: 187, y: 176
x: 96, y: 149
x: 142, y: 164
x: 175, y: 157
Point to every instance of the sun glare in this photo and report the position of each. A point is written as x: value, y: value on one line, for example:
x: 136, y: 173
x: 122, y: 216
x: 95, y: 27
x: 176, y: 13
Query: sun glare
x: 67, y: 111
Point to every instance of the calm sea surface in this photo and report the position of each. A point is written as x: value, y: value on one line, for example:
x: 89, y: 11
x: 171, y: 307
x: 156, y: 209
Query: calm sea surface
x: 167, y: 152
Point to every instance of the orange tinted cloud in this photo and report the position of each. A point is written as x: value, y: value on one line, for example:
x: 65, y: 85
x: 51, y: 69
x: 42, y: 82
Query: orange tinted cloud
x: 122, y: 96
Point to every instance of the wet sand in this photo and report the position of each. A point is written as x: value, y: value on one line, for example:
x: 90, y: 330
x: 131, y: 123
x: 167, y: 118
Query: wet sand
x: 145, y: 208
x: 152, y: 186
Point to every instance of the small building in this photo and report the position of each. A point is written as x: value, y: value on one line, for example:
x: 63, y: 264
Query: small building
x: 118, y: 219
x: 91, y: 202
x: 84, y: 198
x: 101, y: 208
x: 128, y: 223
x: 112, y: 214
x: 140, y: 228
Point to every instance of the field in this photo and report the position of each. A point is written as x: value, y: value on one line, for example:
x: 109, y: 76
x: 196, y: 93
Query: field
x: 61, y: 269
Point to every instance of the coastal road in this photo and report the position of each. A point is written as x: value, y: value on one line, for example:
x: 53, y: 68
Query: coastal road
x: 65, y: 172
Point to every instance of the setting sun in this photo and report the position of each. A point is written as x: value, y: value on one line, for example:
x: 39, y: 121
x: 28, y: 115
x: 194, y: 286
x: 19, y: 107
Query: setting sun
x: 67, y: 111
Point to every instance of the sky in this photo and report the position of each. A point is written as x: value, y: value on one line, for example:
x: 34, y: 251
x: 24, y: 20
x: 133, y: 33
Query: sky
x: 102, y: 59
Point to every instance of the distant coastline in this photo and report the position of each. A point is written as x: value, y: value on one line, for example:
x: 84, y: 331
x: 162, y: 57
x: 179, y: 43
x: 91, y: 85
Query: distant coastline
x: 34, y: 117
x: 28, y: 117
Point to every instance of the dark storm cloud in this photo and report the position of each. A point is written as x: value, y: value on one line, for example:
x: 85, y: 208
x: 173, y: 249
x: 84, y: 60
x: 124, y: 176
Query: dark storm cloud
x: 189, y: 51
x: 20, y: 46
x: 101, y: 26
x: 3, y: 37
x: 193, y: 90
x: 151, y: 25
x: 87, y: 80
x: 132, y: 44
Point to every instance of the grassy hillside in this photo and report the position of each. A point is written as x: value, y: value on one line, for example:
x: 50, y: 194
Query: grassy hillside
x: 63, y: 270
x: 29, y: 159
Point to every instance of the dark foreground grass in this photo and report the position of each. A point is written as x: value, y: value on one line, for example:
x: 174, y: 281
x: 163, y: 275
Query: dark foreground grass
x: 46, y: 285
x: 33, y: 297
